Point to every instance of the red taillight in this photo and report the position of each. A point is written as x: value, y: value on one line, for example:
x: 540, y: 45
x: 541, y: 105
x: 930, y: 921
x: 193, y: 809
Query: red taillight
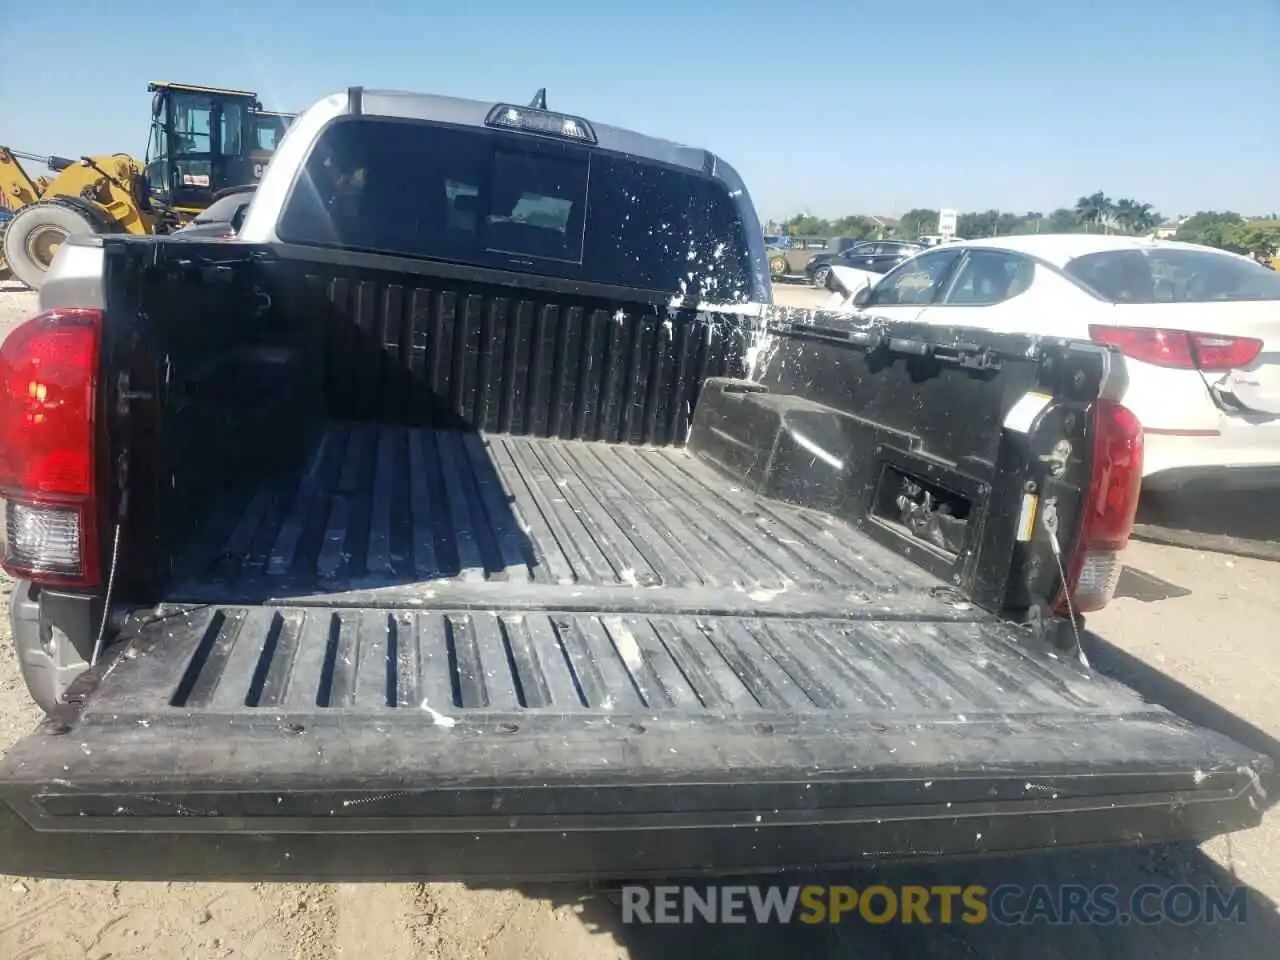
x: 48, y: 374
x: 1112, y: 501
x: 1181, y: 349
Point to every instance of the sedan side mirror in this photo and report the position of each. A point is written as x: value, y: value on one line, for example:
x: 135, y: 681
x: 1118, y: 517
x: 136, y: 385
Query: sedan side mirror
x: 861, y: 297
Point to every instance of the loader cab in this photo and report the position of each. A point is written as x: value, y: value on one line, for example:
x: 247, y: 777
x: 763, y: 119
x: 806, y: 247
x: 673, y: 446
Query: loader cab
x: 267, y: 129
x: 203, y: 141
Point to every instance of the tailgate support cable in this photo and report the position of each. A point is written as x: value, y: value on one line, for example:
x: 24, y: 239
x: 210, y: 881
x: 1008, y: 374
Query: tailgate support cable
x: 111, y: 582
x: 1049, y: 520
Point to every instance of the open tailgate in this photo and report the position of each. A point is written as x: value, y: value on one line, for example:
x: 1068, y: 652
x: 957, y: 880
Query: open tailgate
x: 547, y: 742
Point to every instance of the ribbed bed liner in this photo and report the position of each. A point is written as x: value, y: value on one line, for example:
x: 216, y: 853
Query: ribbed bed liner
x: 385, y: 506
x: 224, y: 659
x: 492, y: 573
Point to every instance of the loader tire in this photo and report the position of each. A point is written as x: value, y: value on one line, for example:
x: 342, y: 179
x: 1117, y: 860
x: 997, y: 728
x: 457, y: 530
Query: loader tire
x: 36, y: 232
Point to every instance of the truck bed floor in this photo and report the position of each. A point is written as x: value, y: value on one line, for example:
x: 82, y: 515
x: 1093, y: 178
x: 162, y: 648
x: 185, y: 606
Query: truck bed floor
x: 386, y: 506
x: 488, y: 574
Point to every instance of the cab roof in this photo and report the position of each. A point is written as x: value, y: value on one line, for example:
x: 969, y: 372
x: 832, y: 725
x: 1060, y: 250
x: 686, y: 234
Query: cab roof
x: 155, y: 85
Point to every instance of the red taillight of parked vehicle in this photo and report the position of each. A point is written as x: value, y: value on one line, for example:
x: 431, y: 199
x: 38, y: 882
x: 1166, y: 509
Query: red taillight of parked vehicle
x: 1180, y: 349
x: 48, y: 374
x: 1116, y: 477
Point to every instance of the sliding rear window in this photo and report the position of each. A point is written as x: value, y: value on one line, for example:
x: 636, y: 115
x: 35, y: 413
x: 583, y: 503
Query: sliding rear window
x: 514, y: 201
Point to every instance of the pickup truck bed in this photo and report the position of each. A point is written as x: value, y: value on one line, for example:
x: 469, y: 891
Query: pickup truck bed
x: 577, y: 576
x: 375, y: 506
x: 565, y: 652
x: 372, y: 637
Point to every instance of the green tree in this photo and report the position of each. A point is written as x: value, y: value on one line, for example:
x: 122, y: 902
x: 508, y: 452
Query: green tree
x: 1095, y: 209
x: 806, y: 225
x: 974, y: 225
x: 1213, y: 228
x: 1259, y: 239
x: 1030, y: 222
x: 1094, y: 212
x: 1008, y: 223
x: 918, y: 222
x: 1134, y: 217
x: 1062, y: 220
x: 855, y: 225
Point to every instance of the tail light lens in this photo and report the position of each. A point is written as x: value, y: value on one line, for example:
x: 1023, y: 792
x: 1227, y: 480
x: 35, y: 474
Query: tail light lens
x: 1180, y: 349
x: 1112, y: 501
x: 48, y: 375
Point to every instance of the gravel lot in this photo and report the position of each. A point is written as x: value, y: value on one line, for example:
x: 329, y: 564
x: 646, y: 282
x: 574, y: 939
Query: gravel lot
x: 1195, y: 630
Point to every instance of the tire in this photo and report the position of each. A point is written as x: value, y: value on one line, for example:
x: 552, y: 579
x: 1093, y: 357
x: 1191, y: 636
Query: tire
x: 5, y: 272
x: 777, y: 266
x: 820, y: 276
x: 34, y: 235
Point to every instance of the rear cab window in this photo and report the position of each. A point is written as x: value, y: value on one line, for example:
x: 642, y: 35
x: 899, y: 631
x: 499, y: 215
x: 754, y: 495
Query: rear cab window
x: 494, y: 198
x: 1167, y: 275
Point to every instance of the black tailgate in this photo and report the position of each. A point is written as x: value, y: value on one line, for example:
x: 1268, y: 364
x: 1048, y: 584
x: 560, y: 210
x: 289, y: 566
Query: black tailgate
x: 310, y: 742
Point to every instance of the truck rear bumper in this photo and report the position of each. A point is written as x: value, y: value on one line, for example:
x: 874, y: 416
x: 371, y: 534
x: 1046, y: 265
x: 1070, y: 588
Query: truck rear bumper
x: 516, y: 798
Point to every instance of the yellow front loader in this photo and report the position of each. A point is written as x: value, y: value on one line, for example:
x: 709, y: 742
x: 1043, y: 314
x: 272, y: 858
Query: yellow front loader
x: 203, y: 141
x: 90, y: 195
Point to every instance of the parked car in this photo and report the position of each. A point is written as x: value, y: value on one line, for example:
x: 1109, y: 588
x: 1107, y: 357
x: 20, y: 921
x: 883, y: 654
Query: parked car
x: 873, y: 256
x: 222, y: 218
x: 1199, y: 328
x: 800, y: 250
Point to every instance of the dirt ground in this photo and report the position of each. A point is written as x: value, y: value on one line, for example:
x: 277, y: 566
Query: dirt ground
x: 1195, y: 630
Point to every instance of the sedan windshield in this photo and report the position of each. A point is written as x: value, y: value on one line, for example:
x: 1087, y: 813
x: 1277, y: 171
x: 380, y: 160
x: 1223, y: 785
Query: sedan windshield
x: 1166, y: 275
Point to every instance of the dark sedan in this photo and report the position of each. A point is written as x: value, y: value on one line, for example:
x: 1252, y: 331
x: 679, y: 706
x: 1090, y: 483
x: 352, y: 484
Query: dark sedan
x: 878, y: 256
x: 221, y: 219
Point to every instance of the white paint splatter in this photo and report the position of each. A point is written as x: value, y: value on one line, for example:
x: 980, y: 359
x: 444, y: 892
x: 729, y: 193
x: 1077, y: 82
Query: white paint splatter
x: 438, y: 718
x: 626, y: 643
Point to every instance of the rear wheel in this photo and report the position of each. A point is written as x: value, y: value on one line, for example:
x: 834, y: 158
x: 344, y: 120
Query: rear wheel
x: 35, y: 234
x: 778, y: 265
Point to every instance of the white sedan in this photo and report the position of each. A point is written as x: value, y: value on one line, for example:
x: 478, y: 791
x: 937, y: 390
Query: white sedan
x: 1199, y: 328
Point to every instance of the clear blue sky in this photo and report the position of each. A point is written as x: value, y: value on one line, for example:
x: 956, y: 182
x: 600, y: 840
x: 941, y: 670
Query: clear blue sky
x: 830, y: 108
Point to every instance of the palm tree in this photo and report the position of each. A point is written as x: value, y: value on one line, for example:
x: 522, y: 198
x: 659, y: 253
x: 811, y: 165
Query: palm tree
x: 1134, y: 217
x: 1095, y: 208
x: 1145, y: 219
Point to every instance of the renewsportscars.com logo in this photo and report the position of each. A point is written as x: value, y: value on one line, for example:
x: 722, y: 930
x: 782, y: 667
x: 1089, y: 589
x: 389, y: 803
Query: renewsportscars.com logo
x: 1008, y: 904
